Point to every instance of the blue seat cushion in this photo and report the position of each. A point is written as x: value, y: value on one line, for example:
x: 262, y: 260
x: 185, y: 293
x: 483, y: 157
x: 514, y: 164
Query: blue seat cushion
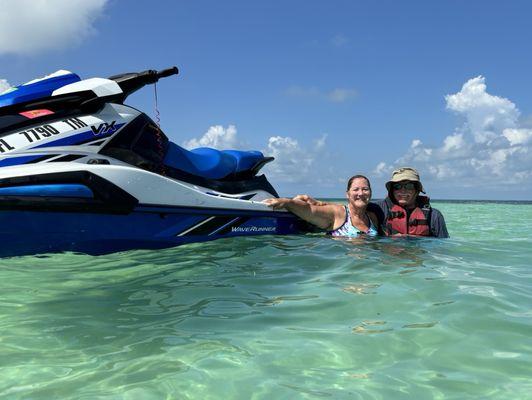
x: 210, y: 163
x: 245, y: 160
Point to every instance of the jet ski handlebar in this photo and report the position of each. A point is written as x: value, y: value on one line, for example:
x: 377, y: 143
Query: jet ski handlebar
x: 130, y: 82
x: 167, y: 72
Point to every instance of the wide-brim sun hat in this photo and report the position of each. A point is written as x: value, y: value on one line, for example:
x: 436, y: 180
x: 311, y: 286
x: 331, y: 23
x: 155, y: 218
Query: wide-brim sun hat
x: 404, y: 174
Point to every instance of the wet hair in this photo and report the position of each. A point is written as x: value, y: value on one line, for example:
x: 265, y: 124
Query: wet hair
x: 350, y: 181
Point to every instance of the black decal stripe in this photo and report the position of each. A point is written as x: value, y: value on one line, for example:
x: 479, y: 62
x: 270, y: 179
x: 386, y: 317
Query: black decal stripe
x: 43, y: 158
x: 223, y: 227
x: 229, y: 228
x: 190, y: 229
x: 96, y: 142
x: 212, y: 225
x: 68, y: 157
x: 87, y: 142
x: 208, y: 226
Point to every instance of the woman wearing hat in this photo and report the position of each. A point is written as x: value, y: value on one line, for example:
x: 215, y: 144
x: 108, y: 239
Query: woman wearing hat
x: 349, y: 220
x: 405, y: 212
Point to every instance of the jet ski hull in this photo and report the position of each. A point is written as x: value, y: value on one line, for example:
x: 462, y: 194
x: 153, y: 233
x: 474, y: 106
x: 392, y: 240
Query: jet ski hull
x: 146, y: 227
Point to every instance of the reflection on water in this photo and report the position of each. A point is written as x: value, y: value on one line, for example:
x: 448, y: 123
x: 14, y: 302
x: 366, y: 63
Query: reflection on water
x: 273, y: 317
x: 364, y: 288
x: 397, y: 252
x: 371, y: 327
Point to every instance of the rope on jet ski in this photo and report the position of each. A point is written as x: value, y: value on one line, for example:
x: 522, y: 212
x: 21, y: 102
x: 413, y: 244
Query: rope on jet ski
x: 160, y: 148
x: 157, y: 113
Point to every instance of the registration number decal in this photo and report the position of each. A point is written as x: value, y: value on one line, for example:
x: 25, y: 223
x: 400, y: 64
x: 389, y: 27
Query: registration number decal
x: 32, y: 135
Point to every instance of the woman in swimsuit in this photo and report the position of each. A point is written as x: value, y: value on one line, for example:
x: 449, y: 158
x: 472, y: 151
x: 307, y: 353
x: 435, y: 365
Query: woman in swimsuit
x: 350, y: 220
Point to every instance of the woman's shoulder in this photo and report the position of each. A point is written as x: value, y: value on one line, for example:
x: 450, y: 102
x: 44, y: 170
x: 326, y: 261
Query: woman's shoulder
x: 336, y: 207
x: 340, y: 215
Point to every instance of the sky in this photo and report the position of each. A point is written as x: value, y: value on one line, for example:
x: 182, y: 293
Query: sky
x: 330, y: 89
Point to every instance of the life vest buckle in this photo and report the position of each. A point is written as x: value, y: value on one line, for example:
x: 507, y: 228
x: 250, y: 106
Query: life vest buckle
x: 396, y: 214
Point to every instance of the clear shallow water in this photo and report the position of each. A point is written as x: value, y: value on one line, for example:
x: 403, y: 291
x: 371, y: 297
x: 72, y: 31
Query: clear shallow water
x: 279, y: 317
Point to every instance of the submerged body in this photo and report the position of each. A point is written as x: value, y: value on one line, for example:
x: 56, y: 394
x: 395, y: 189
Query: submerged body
x: 349, y: 230
x: 421, y: 220
x: 405, y: 211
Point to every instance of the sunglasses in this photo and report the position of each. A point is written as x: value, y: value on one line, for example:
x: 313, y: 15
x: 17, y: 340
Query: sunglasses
x: 406, y: 185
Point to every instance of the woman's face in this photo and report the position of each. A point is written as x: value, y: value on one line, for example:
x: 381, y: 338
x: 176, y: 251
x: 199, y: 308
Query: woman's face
x: 359, y: 193
x: 405, y: 193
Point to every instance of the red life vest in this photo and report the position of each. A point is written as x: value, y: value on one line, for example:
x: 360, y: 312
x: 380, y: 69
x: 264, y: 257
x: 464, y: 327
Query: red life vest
x: 417, y: 225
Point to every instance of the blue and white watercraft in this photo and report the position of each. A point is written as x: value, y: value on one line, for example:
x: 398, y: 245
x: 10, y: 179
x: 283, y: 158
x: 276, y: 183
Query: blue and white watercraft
x: 82, y: 171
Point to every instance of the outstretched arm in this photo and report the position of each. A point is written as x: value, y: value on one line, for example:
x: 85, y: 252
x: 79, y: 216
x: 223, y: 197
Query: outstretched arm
x: 323, y: 216
x: 311, y: 200
x: 308, y: 199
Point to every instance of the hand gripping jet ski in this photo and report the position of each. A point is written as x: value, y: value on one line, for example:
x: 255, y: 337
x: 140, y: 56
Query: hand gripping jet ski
x: 82, y: 171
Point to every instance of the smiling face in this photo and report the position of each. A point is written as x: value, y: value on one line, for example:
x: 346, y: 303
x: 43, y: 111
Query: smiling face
x: 405, y: 193
x: 359, y: 193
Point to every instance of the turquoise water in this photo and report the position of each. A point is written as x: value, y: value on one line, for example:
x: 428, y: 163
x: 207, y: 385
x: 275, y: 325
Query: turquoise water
x: 279, y: 317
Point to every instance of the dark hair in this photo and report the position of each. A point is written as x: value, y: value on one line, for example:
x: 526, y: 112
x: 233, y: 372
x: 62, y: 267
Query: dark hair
x: 350, y: 181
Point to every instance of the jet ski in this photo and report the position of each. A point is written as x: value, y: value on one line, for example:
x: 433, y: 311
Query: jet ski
x: 82, y: 171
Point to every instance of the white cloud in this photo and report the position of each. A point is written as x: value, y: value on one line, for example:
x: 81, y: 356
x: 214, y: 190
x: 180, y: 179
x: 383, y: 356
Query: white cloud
x: 4, y: 85
x: 489, y: 150
x: 486, y: 115
x: 453, y: 143
x: 294, y: 163
x: 339, y: 40
x: 382, y: 169
x: 337, y: 95
x: 518, y: 137
x: 30, y: 26
x: 216, y: 137
x: 320, y: 142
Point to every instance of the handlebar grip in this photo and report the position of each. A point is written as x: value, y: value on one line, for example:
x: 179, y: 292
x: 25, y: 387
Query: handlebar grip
x: 133, y: 81
x: 167, y: 72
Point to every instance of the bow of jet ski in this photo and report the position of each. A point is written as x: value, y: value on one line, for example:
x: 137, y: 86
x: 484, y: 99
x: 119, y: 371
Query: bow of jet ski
x: 82, y: 171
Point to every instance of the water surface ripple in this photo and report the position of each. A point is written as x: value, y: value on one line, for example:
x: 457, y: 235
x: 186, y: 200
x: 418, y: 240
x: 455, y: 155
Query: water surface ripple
x: 279, y: 317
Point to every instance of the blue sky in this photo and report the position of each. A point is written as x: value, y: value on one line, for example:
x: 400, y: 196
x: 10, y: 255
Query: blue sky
x: 331, y: 89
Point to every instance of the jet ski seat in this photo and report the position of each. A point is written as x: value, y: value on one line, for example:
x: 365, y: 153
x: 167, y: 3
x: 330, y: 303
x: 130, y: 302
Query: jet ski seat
x: 214, y: 164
